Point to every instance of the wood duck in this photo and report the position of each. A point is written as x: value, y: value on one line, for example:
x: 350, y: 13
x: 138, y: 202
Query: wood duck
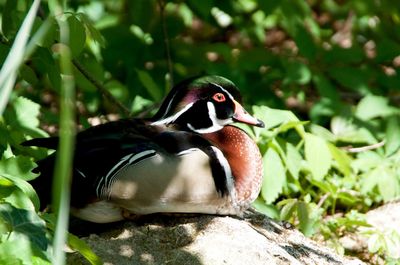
x: 187, y: 158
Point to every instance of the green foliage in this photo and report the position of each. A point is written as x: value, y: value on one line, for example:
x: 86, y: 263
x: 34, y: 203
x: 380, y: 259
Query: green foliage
x: 333, y: 64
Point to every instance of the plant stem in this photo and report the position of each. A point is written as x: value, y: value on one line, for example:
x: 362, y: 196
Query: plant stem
x: 62, y: 176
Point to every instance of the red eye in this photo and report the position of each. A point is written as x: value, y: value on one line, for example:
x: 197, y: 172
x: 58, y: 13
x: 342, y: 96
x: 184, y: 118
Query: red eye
x: 219, y: 97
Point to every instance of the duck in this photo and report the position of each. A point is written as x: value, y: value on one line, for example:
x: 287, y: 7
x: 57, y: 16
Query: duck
x: 188, y: 158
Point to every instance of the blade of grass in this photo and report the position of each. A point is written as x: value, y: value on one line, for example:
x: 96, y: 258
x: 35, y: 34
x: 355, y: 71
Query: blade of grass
x: 62, y: 176
x: 8, y: 73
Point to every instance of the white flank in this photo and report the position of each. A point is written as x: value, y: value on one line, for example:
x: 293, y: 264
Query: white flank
x: 110, y: 177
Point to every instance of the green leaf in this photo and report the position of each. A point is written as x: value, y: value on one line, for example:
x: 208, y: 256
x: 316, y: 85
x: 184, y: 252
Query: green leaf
x: 28, y: 74
x: 370, y: 180
x: 306, y: 223
x: 151, y: 86
x: 94, y: 33
x: 317, y: 155
x: 293, y: 160
x: 275, y: 117
x: 288, y: 209
x: 346, y: 131
x: 77, y: 38
x: 372, y: 106
x: 392, y: 135
x: 388, y: 184
x: 19, y: 166
x: 82, y: 247
x: 274, y: 176
x: 267, y: 209
x: 16, y: 251
x: 27, y: 223
x: 15, y: 196
x: 25, y: 117
x: 342, y: 159
x: 25, y: 187
x: 297, y: 73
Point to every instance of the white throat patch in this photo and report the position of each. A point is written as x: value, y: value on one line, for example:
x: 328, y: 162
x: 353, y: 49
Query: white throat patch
x: 217, y: 124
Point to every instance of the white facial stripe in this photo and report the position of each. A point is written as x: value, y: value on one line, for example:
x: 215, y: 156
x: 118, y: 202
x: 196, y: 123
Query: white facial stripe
x: 173, y: 118
x: 228, y: 172
x: 217, y: 124
x: 223, y: 89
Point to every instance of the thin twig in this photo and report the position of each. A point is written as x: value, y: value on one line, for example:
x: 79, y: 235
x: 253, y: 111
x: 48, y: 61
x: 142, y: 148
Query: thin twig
x: 323, y: 199
x: 101, y: 88
x: 162, y: 4
x: 364, y: 148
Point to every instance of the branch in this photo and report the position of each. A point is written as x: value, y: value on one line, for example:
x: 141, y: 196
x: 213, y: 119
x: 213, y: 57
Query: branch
x: 364, y: 148
x: 101, y: 88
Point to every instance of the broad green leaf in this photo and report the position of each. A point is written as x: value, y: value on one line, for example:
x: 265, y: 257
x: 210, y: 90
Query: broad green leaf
x: 275, y: 117
x: 140, y: 103
x: 351, y: 77
x: 15, y: 251
x: 297, y: 73
x: 372, y: 106
x: 317, y: 155
x: 77, y: 37
x: 267, y: 209
x: 15, y: 196
x: 94, y: 33
x: 293, y: 160
x: 306, y: 223
x: 370, y: 180
x: 366, y: 161
x: 348, y: 199
x: 346, y: 131
x: 288, y: 209
x: 28, y: 223
x: 388, y: 185
x: 25, y: 187
x: 26, y: 117
x: 342, y: 159
x: 28, y: 74
x: 19, y: 166
x: 274, y: 176
x: 392, y: 135
x: 82, y: 247
x: 148, y: 82
x: 117, y: 89
x: 322, y: 132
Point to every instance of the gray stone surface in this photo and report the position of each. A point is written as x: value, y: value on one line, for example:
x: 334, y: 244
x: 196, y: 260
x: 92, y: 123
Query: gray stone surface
x: 206, y: 240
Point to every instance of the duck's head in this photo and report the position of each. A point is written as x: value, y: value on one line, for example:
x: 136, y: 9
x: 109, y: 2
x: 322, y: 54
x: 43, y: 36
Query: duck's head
x: 204, y: 105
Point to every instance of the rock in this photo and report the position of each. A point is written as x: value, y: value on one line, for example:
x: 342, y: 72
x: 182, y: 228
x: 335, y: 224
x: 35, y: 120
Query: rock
x: 205, y: 239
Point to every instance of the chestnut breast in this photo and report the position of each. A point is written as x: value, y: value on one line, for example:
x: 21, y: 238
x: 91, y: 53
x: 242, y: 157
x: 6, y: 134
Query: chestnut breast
x: 244, y: 158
